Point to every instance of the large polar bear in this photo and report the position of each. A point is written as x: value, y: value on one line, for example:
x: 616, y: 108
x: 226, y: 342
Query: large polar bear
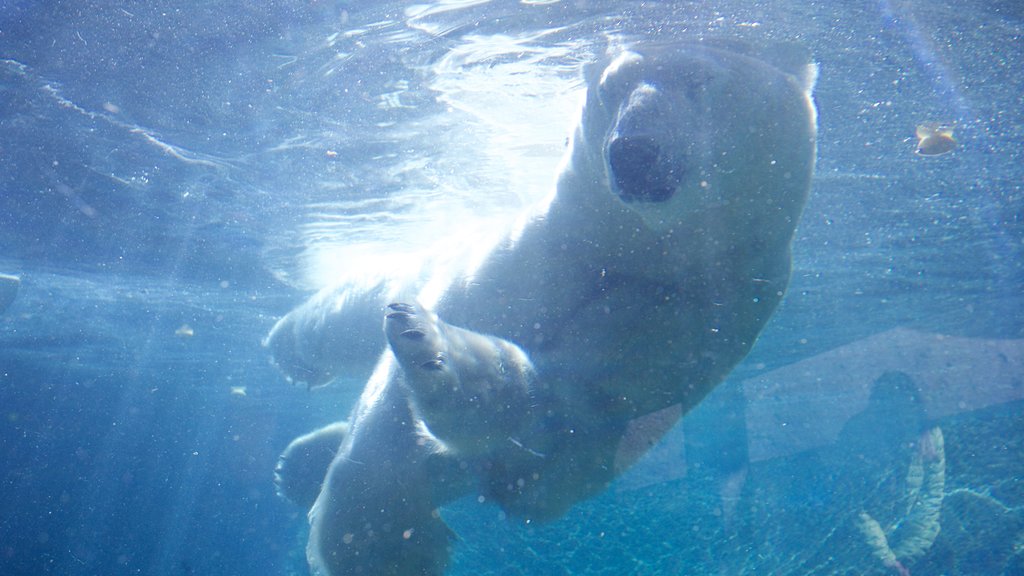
x: 661, y: 256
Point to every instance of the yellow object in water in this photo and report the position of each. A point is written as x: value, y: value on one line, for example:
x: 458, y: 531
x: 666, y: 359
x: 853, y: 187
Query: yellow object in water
x: 185, y: 331
x: 934, y: 139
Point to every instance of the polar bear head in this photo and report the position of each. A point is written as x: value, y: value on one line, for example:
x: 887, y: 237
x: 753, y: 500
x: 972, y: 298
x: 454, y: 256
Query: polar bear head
x: 702, y: 139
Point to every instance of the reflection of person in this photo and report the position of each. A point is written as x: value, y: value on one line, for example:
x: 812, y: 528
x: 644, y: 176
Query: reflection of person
x: 878, y: 438
x: 894, y: 417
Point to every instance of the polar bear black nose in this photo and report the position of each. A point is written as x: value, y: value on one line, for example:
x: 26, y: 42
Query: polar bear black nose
x: 640, y: 171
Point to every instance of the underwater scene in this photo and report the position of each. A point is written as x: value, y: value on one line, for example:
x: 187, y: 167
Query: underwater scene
x: 511, y: 287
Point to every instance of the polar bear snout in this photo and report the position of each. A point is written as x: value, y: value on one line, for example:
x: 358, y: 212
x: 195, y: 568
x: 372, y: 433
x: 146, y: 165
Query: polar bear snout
x: 641, y: 171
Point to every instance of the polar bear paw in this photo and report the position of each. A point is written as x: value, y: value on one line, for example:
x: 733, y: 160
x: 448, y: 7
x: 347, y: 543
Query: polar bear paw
x: 416, y: 337
x: 473, y: 391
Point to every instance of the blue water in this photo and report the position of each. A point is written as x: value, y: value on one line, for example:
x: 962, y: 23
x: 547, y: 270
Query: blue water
x: 174, y: 177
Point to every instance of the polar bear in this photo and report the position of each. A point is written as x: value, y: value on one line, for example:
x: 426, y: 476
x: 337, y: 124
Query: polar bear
x: 665, y: 249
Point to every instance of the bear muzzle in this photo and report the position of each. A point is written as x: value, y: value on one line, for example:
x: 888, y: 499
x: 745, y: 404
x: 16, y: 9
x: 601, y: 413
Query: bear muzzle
x: 641, y: 170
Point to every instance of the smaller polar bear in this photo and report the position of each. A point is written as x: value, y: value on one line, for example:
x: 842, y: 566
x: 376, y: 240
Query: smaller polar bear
x: 662, y: 255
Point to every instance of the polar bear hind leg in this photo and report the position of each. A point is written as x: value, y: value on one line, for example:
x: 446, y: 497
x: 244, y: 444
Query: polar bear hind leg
x: 300, y: 469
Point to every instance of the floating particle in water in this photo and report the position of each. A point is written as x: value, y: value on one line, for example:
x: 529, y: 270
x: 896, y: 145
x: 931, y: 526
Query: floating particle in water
x: 934, y: 139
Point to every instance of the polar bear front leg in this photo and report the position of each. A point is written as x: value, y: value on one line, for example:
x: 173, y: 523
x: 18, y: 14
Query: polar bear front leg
x: 474, y: 392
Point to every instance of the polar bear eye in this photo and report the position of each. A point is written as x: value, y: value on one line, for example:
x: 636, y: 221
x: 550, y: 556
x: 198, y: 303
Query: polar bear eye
x: 640, y: 170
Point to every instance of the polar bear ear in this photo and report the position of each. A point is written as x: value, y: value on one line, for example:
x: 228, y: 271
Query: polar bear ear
x: 614, y: 77
x: 794, y: 60
x: 789, y: 58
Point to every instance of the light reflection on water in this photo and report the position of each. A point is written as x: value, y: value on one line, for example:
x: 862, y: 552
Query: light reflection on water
x: 486, y: 150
